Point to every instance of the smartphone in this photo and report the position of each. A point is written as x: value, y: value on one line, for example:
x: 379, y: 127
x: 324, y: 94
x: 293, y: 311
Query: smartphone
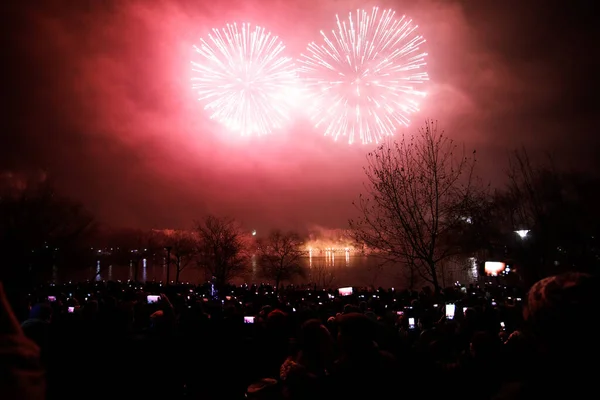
x: 450, y: 309
x: 248, y: 320
x: 411, y: 323
x: 51, y: 298
x: 71, y: 310
x: 152, y: 298
x: 464, y: 310
x: 502, y: 325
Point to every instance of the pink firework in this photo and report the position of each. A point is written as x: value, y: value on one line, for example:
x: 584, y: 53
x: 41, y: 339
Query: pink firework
x: 244, y: 80
x: 365, y: 80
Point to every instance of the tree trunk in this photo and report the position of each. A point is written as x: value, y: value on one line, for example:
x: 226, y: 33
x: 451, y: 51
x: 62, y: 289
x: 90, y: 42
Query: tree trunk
x: 168, y: 269
x: 434, y: 278
x: 178, y: 271
x: 220, y: 284
x: 443, y: 271
x: 412, y: 277
x: 277, y: 286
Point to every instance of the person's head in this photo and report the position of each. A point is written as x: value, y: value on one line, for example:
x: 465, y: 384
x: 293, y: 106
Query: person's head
x: 157, y: 320
x: 277, y: 319
x: 265, y: 310
x: 362, y: 306
x: 371, y: 315
x: 356, y: 332
x: 426, y: 322
x: 349, y: 308
x: 315, y: 340
x: 561, y: 313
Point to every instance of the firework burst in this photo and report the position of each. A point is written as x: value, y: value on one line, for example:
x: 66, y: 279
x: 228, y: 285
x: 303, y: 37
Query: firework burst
x: 363, y: 79
x: 243, y: 79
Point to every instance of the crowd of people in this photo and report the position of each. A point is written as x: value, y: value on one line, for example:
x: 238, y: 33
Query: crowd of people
x: 150, y: 340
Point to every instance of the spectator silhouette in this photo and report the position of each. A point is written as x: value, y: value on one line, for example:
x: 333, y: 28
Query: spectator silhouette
x: 362, y: 370
x: 37, y: 326
x: 21, y: 372
x: 561, y: 322
x: 303, y: 374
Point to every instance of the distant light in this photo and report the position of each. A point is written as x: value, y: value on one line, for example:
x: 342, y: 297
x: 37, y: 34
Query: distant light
x: 522, y: 233
x: 254, y: 232
x: 493, y: 268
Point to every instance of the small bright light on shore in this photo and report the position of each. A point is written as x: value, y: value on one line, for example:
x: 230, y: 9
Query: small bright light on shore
x: 522, y: 233
x: 254, y: 232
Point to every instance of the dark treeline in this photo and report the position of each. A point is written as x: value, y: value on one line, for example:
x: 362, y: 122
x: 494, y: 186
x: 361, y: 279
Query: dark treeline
x: 423, y: 208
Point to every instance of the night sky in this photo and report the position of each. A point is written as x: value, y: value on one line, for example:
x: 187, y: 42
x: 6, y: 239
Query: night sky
x: 98, y: 94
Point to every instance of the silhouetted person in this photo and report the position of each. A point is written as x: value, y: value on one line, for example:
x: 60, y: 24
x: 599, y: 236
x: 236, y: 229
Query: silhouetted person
x: 304, y: 373
x: 362, y: 370
x: 37, y: 326
x: 561, y: 315
x: 21, y: 372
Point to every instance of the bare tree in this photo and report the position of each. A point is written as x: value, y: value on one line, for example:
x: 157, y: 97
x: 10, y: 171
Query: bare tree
x: 184, y: 247
x: 419, y: 192
x: 38, y: 228
x: 222, y: 248
x: 279, y: 257
x: 559, y: 209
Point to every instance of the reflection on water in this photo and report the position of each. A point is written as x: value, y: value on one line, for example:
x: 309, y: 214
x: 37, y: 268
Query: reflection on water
x: 329, y: 256
x: 254, y: 265
x: 144, y: 265
x: 98, y: 271
x: 344, y: 268
x: 473, y: 267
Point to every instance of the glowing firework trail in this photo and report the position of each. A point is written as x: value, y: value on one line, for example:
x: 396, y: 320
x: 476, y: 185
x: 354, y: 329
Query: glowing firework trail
x: 243, y: 79
x: 363, y: 80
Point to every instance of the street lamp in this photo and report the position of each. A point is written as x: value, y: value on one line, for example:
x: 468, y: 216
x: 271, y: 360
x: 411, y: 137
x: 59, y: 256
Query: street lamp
x: 522, y: 233
x: 168, y: 249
